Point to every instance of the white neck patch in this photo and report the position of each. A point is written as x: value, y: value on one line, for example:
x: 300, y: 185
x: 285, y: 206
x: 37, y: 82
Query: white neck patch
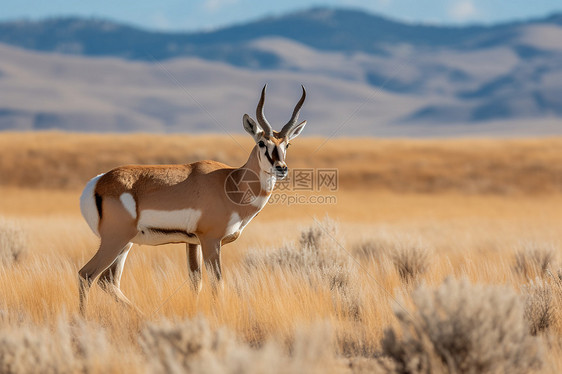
x: 234, y: 224
x: 267, y: 181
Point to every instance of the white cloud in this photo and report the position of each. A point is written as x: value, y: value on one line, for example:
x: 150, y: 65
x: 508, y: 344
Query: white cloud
x: 463, y: 10
x: 216, y: 5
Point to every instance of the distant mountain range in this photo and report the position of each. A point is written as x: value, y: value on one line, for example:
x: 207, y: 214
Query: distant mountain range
x: 386, y: 77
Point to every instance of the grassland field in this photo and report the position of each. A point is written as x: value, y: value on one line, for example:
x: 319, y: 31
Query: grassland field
x: 308, y: 287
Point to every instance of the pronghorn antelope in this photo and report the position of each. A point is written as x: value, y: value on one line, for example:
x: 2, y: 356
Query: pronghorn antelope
x: 205, y: 204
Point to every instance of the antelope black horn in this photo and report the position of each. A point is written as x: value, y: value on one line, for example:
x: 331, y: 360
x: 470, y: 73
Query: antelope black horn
x: 261, y: 116
x: 293, y: 121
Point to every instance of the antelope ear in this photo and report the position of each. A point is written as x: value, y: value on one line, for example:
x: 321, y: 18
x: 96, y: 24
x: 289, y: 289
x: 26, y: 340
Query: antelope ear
x: 252, y: 127
x: 296, y: 131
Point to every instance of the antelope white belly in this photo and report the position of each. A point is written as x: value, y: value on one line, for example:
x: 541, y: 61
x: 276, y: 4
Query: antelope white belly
x: 167, y: 226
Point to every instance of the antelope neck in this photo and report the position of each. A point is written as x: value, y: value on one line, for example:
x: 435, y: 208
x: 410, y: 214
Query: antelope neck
x: 267, y: 179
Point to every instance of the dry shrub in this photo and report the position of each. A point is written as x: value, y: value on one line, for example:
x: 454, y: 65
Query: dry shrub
x: 13, y: 242
x: 67, y: 349
x: 411, y: 259
x: 191, y: 346
x: 322, y: 234
x: 463, y: 328
x: 312, y: 351
x: 319, y: 252
x: 318, y: 256
x: 410, y: 256
x: 372, y: 249
x: 534, y: 259
x: 539, y: 308
x: 362, y: 365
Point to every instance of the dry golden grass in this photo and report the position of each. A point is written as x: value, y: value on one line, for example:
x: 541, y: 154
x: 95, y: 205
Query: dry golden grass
x: 288, y: 306
x: 471, y: 166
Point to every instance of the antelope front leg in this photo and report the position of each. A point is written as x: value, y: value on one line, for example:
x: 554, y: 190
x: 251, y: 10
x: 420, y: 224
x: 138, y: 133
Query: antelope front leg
x: 211, y: 249
x: 195, y: 263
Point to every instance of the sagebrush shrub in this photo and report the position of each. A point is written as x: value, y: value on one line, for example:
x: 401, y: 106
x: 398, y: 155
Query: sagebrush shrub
x: 318, y: 252
x: 411, y: 259
x: 539, y: 307
x: 372, y: 249
x: 463, y: 328
x: 319, y: 255
x: 77, y: 349
x: 410, y: 256
x: 191, y: 346
x: 13, y: 242
x: 534, y: 259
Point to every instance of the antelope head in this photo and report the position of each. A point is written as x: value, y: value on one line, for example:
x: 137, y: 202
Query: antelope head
x: 272, y: 145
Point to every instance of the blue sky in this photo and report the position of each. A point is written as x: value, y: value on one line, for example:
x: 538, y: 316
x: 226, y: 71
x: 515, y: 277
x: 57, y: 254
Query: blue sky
x: 209, y: 14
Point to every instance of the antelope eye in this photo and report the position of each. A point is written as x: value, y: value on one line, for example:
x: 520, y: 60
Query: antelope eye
x: 287, y: 146
x: 261, y: 144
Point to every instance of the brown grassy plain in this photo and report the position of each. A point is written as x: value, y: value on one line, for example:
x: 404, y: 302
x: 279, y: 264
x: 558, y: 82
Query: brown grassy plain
x: 464, y: 208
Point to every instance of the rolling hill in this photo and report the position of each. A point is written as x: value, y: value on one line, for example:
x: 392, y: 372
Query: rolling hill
x: 367, y: 75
